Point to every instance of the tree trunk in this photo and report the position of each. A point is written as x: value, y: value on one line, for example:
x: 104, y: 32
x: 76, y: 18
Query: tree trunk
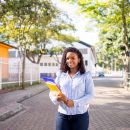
x: 128, y: 84
x: 124, y: 25
x: 23, y: 69
x: 125, y: 41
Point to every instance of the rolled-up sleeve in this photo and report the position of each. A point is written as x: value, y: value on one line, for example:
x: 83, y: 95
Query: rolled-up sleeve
x: 89, y: 91
x: 52, y: 95
x: 53, y: 98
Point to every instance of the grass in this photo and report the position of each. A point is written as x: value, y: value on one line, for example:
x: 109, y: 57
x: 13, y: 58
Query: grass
x: 15, y: 86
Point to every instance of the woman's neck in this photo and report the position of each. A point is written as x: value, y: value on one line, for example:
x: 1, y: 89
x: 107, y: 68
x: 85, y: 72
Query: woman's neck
x: 73, y: 71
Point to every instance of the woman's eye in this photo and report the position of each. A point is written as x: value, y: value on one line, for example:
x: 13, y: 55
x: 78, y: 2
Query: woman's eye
x: 72, y: 58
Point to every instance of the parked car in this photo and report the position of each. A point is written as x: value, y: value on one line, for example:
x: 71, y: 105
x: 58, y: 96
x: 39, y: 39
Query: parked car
x: 101, y: 74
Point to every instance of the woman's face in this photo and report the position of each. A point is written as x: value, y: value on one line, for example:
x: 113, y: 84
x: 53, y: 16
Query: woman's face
x: 72, y: 60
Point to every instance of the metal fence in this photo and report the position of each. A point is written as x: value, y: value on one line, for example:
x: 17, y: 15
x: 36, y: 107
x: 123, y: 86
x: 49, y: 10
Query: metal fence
x: 128, y: 81
x: 11, y: 71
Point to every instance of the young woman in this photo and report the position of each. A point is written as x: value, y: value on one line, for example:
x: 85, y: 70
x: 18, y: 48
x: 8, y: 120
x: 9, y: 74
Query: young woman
x: 77, y: 90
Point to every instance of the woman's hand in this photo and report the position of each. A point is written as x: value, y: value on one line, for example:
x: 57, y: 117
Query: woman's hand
x: 70, y: 103
x: 61, y: 97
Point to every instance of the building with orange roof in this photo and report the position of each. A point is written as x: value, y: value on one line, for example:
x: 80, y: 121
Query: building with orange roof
x: 4, y: 55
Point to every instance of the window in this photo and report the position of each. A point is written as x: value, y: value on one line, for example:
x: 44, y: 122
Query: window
x: 12, y: 54
x: 41, y: 64
x: 45, y: 64
x: 83, y: 51
x: 53, y: 64
x: 49, y: 64
x: 86, y: 62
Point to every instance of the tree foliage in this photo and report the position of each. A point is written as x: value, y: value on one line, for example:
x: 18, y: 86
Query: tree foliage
x: 32, y: 24
x: 113, y: 20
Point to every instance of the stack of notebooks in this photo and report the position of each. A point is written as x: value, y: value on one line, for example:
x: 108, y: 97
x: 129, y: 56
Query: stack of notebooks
x: 50, y: 83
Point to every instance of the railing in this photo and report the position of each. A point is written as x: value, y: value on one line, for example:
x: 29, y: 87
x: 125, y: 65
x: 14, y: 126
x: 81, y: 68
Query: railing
x: 11, y: 72
x: 128, y: 80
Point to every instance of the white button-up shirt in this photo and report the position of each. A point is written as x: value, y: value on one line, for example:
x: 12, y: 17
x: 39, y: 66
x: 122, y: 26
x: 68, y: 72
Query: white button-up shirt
x: 79, y: 88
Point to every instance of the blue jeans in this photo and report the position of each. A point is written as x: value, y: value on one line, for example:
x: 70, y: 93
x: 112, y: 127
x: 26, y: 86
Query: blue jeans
x: 72, y: 122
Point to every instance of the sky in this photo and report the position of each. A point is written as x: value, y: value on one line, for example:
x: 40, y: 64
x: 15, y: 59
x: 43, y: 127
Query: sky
x: 82, y: 23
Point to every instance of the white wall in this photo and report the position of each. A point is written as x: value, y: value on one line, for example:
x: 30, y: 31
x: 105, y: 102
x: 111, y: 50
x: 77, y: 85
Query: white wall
x: 54, y: 66
x: 53, y: 69
x: 91, y: 62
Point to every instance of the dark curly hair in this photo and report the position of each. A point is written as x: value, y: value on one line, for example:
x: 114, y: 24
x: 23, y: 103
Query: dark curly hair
x: 64, y: 67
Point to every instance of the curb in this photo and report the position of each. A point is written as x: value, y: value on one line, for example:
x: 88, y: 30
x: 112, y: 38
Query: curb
x: 10, y: 110
x: 29, y: 95
x: 16, y: 107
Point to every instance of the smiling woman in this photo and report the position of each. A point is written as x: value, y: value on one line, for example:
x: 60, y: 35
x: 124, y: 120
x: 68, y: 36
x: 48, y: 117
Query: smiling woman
x: 72, y: 61
x: 77, y: 90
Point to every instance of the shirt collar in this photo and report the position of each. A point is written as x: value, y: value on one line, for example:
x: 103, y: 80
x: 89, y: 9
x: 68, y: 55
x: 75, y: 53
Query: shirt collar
x: 77, y: 73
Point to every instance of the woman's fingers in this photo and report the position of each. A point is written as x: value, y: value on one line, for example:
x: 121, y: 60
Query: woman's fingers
x: 70, y: 103
x: 61, y: 97
x: 60, y: 93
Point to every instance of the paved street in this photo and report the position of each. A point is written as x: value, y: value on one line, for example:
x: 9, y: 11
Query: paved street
x: 38, y: 115
x: 110, y: 110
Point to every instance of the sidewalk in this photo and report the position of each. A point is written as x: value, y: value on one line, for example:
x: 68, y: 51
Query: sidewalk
x: 10, y: 103
x: 110, y: 110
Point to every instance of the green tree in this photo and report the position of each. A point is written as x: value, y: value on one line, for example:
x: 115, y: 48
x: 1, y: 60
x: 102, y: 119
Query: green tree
x: 31, y: 24
x: 112, y: 18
